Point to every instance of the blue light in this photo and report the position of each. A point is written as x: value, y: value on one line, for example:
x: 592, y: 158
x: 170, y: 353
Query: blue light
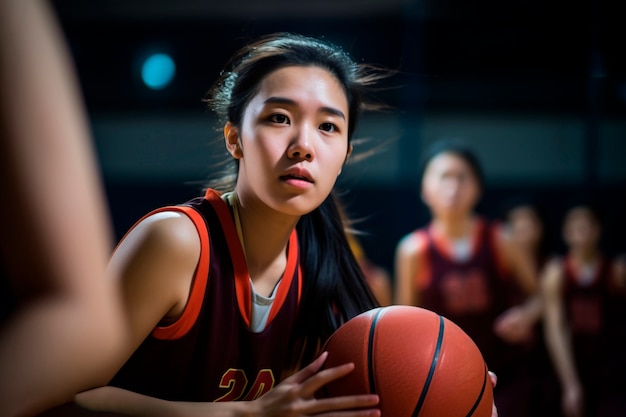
x: 158, y: 71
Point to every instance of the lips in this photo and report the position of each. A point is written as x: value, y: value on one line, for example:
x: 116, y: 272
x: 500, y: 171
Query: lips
x: 299, y: 174
x: 295, y: 177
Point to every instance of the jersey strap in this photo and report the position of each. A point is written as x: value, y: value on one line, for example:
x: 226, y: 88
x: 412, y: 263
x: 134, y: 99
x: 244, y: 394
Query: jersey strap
x: 423, y: 275
x: 242, y: 276
x: 495, y: 230
x: 200, y: 280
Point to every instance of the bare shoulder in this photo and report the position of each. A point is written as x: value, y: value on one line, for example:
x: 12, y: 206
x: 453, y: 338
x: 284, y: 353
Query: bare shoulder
x: 156, y: 260
x: 502, y: 238
x: 170, y: 231
x: 410, y: 245
x: 619, y: 272
x: 164, y: 244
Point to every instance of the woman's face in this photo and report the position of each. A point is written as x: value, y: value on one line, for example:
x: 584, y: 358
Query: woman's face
x: 525, y: 226
x: 293, y: 139
x: 580, y: 229
x: 450, y: 186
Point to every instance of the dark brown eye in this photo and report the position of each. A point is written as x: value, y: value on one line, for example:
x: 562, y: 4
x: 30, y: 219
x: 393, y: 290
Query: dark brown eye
x: 328, y: 127
x: 279, y: 118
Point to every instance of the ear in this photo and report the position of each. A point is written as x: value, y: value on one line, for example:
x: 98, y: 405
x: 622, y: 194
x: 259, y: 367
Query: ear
x: 231, y: 138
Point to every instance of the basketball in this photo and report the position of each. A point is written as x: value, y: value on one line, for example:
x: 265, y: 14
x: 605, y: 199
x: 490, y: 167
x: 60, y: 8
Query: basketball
x: 419, y: 363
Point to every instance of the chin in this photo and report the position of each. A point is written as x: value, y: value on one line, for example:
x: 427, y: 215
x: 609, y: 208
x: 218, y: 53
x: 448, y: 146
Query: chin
x: 296, y: 208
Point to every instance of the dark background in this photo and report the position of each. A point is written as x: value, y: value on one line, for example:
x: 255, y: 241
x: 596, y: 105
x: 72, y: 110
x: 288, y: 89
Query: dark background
x: 538, y: 88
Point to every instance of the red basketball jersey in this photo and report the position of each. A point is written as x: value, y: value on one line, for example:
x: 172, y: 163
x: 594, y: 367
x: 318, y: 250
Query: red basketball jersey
x: 209, y: 353
x: 471, y: 293
x: 587, y: 307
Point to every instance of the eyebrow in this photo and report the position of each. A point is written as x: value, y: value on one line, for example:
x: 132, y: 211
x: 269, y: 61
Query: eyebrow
x: 288, y: 101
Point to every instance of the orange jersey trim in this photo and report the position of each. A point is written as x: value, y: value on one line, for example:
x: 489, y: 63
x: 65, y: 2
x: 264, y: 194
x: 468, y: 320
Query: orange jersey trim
x: 495, y: 233
x: 240, y: 267
x: 572, y: 268
x: 191, y: 312
x: 423, y: 273
x: 482, y: 229
x: 443, y: 244
x: 290, y: 269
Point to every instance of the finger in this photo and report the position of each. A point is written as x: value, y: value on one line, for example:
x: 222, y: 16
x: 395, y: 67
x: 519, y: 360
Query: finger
x: 346, y: 405
x: 323, y: 377
x: 355, y: 413
x: 494, y: 379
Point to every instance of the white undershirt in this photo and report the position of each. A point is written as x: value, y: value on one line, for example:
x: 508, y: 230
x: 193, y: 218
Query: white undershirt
x: 261, y: 307
x: 586, y: 274
x: 461, y: 249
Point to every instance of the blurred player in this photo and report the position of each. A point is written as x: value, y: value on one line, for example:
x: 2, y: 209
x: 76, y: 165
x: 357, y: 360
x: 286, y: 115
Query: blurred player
x: 582, y: 292
x: 524, y: 222
x: 465, y: 268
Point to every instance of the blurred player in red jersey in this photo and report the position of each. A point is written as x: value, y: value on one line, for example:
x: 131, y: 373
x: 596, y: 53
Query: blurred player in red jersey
x: 464, y: 267
x: 583, y: 291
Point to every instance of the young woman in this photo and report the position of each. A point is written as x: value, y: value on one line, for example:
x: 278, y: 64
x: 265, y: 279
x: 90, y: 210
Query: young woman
x: 463, y: 267
x: 583, y: 292
x: 231, y: 293
x: 525, y: 224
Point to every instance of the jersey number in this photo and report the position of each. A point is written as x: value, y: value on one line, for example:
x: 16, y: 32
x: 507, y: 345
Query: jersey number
x: 235, y: 381
x: 465, y: 293
x: 586, y: 316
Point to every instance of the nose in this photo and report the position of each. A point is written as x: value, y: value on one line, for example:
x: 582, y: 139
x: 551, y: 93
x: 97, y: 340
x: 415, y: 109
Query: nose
x: 301, y: 148
x: 451, y: 186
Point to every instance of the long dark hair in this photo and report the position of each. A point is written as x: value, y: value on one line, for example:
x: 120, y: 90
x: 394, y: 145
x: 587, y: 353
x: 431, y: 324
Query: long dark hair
x: 335, y: 289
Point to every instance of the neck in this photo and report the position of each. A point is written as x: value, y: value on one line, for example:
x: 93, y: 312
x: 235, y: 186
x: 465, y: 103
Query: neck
x: 584, y: 256
x: 265, y: 234
x: 454, y: 228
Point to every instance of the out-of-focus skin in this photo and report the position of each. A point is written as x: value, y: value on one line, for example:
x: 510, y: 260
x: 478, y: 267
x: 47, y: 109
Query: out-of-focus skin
x: 56, y: 234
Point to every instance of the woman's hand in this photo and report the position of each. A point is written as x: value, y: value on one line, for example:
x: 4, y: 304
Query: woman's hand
x: 572, y: 400
x: 494, y: 381
x: 515, y: 325
x: 295, y: 396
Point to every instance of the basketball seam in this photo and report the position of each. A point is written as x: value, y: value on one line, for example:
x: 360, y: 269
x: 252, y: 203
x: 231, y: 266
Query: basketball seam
x: 370, y: 353
x: 480, y: 396
x: 431, y: 372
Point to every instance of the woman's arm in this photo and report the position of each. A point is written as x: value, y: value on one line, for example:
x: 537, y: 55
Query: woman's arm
x: 406, y: 269
x: 521, y: 264
x: 294, y: 397
x: 156, y: 261
x: 618, y: 275
x: 558, y: 340
x: 516, y: 324
x: 56, y: 234
x: 155, y: 264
